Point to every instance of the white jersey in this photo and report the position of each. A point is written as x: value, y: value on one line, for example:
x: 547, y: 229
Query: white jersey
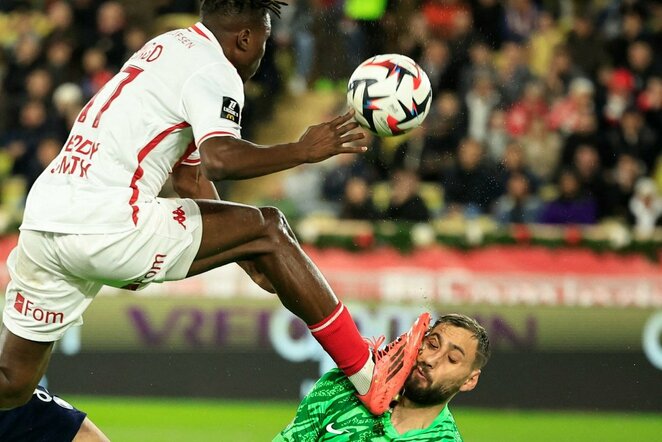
x: 169, y: 97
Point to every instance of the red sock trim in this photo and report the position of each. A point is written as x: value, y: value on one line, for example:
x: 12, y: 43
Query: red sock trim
x: 339, y: 337
x: 328, y: 320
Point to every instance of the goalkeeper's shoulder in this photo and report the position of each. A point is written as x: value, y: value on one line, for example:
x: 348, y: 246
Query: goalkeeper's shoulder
x: 333, y: 380
x: 334, y: 375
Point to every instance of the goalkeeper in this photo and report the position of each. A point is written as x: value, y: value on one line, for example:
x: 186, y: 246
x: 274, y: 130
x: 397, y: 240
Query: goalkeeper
x: 454, y: 351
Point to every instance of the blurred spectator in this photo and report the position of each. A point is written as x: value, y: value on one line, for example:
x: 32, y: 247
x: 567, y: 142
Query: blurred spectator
x: 111, y: 23
x: 276, y: 196
x: 585, y: 45
x: 335, y: 180
x: 513, y: 163
x: 609, y: 18
x: 445, y: 127
x: 63, y: 27
x: 23, y: 140
x: 411, y: 155
x: 135, y: 38
x: 334, y: 63
x: 303, y: 190
x: 461, y: 38
x: 405, y: 203
x: 480, y: 101
x: 366, y: 16
x: 632, y: 29
x: 294, y: 31
x: 590, y: 174
x: 642, y: 64
x: 60, y: 62
x: 85, y: 18
x: 544, y: 40
x: 412, y: 39
x: 656, y: 26
x: 521, y: 18
x: 385, y: 157
x: 585, y: 133
x: 437, y: 64
x: 38, y: 85
x: 262, y: 92
x: 621, y: 182
x: 379, y: 160
x: 532, y: 105
x: 469, y: 185
x: 619, y: 95
x: 357, y: 203
x: 480, y: 62
x: 441, y: 15
x: 565, y: 114
x: 562, y: 71
x: 47, y: 149
x: 646, y: 206
x: 96, y: 72
x: 650, y: 103
x: 497, y: 137
x: 518, y: 205
x: 23, y: 59
x: 512, y: 72
x: 572, y: 205
x: 634, y: 137
x: 68, y: 101
x: 542, y: 149
x: 488, y: 21
x: 22, y: 22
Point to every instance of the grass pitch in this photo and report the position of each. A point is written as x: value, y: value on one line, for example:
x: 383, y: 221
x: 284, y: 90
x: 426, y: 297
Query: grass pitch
x: 185, y: 420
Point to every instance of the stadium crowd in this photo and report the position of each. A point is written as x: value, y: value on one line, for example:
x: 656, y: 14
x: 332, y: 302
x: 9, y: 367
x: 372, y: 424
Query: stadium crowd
x: 544, y: 111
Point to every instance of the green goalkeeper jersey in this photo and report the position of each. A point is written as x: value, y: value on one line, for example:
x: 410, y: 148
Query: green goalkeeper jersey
x: 331, y: 412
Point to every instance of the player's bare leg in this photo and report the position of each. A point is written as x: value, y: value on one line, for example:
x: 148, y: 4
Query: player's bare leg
x: 22, y: 365
x: 233, y: 232
x: 90, y: 433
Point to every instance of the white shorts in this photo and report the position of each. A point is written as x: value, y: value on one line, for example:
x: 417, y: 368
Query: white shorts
x: 55, y: 276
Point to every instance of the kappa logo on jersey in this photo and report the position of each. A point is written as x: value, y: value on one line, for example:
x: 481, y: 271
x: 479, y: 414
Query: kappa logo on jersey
x: 230, y: 110
x: 27, y: 308
x: 180, y: 216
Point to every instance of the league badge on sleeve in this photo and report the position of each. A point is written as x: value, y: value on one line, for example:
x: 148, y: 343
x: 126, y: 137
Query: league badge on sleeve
x: 230, y: 110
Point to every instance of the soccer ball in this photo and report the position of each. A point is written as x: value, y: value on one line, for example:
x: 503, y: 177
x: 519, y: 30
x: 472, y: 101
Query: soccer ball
x: 390, y: 94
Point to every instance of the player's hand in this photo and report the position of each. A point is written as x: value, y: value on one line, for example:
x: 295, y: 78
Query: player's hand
x: 325, y: 140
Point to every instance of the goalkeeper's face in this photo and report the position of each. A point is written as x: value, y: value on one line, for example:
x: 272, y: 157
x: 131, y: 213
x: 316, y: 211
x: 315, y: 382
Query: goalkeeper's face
x: 445, y: 366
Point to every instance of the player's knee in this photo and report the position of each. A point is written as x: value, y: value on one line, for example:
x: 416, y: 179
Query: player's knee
x: 275, y: 224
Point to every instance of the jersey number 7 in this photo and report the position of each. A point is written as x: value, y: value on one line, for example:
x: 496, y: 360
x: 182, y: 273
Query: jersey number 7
x: 132, y: 73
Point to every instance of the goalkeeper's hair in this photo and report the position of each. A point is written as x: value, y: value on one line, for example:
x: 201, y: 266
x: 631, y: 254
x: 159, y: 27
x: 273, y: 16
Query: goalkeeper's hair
x: 478, y: 331
x: 232, y: 8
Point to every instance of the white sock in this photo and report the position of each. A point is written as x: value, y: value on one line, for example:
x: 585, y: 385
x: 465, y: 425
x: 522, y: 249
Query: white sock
x: 362, y: 378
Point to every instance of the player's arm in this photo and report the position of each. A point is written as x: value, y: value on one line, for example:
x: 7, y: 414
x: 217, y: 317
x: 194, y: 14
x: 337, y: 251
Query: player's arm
x: 89, y: 432
x: 226, y: 157
x: 190, y: 182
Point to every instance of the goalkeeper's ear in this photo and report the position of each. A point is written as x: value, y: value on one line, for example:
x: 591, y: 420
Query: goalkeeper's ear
x: 471, y: 381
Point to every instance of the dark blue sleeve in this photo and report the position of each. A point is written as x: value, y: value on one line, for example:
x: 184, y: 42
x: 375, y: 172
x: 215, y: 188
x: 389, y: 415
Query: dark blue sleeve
x: 45, y: 418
